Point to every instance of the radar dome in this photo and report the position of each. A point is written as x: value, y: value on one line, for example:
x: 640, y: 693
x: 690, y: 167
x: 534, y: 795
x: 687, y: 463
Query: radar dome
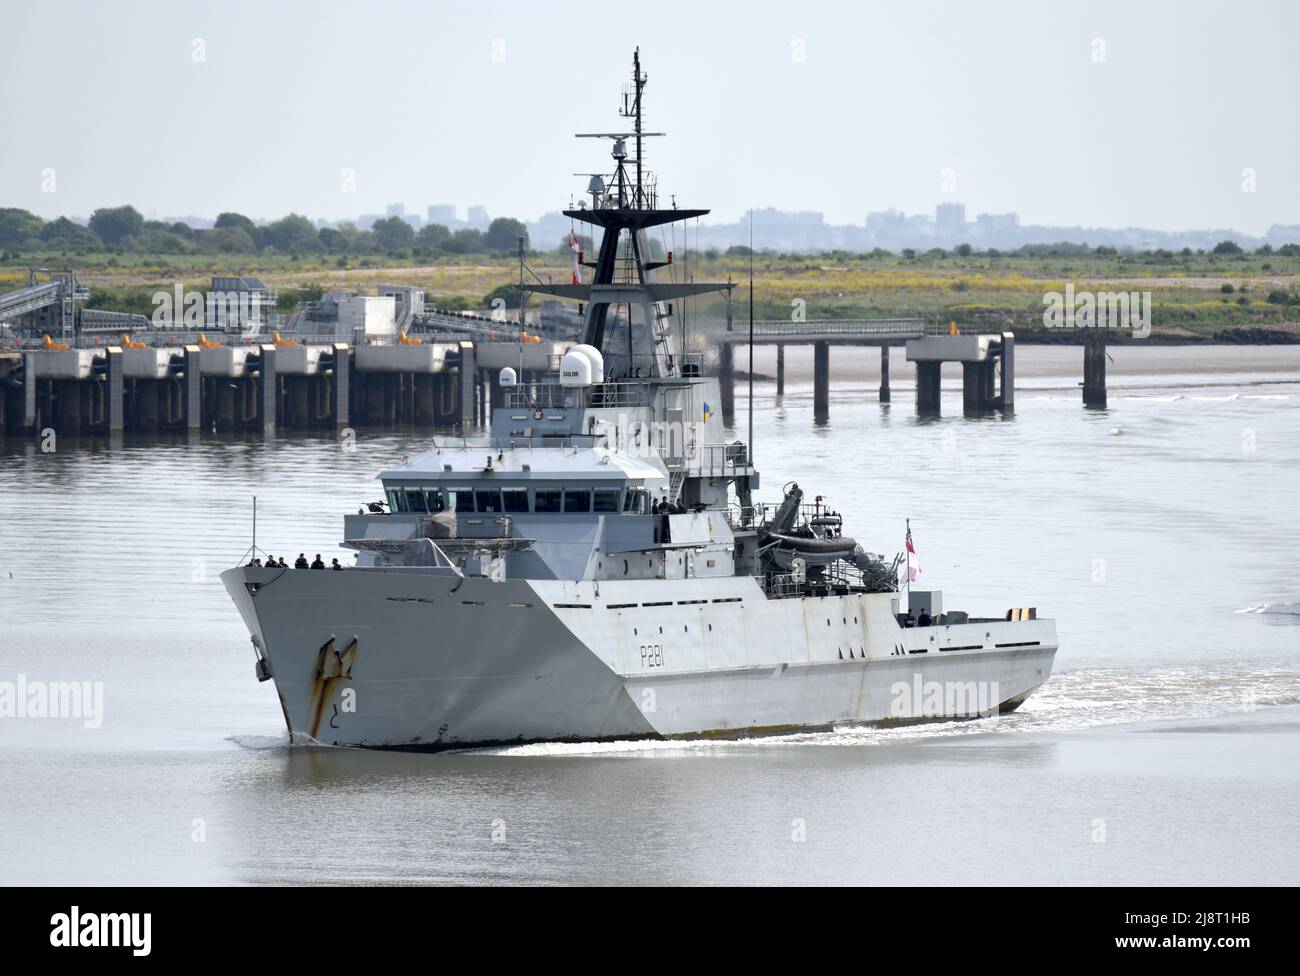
x: 582, y: 365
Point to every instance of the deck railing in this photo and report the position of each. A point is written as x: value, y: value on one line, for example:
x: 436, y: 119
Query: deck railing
x: 554, y: 396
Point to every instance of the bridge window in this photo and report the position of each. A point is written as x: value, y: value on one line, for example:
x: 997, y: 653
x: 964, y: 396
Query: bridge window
x: 577, y: 499
x: 396, y: 501
x: 607, y: 500
x: 414, y: 500
x: 487, y: 500
x: 514, y: 500
x: 434, y: 499
x: 546, y: 500
x: 636, y: 502
x: 461, y: 500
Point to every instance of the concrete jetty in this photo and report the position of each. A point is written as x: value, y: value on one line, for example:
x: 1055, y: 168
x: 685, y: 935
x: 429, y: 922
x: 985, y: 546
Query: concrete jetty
x: 988, y: 360
x: 144, y: 387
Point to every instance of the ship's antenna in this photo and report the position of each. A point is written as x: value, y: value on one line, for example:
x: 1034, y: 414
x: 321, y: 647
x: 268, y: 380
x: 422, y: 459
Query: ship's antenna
x: 751, y: 337
x: 638, y: 81
x: 633, y: 112
x: 520, y: 337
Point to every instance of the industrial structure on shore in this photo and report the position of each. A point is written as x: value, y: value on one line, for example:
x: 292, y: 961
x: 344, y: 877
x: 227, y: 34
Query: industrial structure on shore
x: 346, y: 359
x: 386, y: 360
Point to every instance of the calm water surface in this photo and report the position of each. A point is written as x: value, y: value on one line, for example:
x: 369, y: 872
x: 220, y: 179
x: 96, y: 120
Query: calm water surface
x: 1160, y: 533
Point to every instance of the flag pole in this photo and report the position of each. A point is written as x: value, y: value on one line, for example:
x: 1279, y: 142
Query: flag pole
x: 907, y: 558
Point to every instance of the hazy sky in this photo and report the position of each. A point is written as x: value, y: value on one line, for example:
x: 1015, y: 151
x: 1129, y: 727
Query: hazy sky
x: 1102, y: 114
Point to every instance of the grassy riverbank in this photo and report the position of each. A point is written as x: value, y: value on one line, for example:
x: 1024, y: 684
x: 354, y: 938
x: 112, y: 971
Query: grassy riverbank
x: 1228, y: 297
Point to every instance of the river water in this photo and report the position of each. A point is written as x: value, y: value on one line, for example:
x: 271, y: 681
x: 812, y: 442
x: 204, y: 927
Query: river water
x: 1160, y: 533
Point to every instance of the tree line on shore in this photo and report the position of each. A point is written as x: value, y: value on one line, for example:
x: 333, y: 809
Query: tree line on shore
x: 125, y: 230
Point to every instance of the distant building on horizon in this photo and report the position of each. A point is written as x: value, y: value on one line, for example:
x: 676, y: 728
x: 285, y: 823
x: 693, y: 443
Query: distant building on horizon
x: 441, y: 213
x: 996, y: 230
x: 1280, y: 234
x: 950, y: 223
x: 892, y: 230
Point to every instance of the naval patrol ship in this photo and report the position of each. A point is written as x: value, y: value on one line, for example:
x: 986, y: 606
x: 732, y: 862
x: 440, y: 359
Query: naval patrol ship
x: 601, y: 569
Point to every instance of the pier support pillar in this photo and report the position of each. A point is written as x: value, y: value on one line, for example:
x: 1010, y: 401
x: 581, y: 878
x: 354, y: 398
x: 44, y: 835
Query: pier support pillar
x: 1094, y: 368
x: 1007, y: 389
x: 369, y: 400
x: 268, y: 398
x: 884, y: 373
x: 927, y: 387
x: 144, y: 405
x: 972, y: 386
x: 115, y: 390
x: 496, y: 395
x: 193, y: 388
x: 224, y: 404
x: 780, y: 369
x: 727, y: 383
x: 821, y: 382
x: 423, y: 412
x: 30, y: 414
x: 465, y: 383
x: 342, y: 370
x: 295, y: 402
x: 69, y: 407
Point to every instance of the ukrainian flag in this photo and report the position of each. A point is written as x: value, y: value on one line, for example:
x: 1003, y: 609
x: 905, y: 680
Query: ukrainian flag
x: 708, y: 413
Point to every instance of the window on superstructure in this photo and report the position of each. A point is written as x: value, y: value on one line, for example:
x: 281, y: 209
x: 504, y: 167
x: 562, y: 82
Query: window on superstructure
x: 487, y: 500
x: 414, y: 500
x: 577, y: 499
x: 461, y: 500
x: 396, y: 501
x: 514, y: 500
x: 606, y: 500
x: 546, y: 500
x: 435, y: 501
x: 635, y: 502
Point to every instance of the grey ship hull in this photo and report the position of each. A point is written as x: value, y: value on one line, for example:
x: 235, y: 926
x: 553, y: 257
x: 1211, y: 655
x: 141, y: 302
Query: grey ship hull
x: 399, y: 658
